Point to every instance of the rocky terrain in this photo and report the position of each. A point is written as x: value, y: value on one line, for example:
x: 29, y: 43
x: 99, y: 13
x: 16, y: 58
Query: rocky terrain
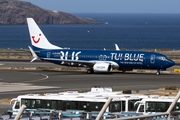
x: 16, y: 12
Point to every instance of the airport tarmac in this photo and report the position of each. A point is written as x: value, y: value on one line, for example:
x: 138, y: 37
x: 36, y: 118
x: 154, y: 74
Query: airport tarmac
x: 14, y: 82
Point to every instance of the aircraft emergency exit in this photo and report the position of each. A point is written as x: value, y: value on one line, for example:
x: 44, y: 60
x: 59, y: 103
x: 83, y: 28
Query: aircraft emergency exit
x: 94, y: 60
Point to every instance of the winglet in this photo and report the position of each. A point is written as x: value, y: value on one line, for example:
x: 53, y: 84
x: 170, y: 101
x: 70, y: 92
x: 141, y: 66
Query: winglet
x: 117, y: 47
x: 33, y: 54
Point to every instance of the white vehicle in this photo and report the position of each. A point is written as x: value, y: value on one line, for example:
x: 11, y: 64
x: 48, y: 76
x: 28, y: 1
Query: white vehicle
x: 73, y: 100
x: 156, y: 105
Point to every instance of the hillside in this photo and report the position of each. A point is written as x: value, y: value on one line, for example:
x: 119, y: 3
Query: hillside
x: 16, y: 12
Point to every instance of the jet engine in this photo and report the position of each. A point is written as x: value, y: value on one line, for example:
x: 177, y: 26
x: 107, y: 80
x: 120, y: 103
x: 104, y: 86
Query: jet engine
x: 102, y: 67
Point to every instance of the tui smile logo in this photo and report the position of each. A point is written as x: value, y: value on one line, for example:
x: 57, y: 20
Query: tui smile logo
x: 36, y: 41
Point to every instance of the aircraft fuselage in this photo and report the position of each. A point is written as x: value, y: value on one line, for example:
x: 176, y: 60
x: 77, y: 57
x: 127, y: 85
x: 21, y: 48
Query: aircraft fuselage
x: 94, y: 60
x: 120, y: 59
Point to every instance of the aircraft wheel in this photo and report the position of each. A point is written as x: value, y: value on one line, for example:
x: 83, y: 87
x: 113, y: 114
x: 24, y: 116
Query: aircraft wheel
x: 123, y: 71
x: 90, y: 71
x: 158, y: 72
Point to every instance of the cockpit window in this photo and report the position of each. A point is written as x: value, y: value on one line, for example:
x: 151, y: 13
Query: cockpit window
x: 162, y: 58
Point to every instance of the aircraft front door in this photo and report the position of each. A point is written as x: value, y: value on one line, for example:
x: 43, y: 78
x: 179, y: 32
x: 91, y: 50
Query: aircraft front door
x: 152, y: 59
x: 48, y: 54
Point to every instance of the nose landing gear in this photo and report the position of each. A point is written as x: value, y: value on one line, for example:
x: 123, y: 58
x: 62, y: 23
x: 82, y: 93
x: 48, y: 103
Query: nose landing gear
x: 158, y: 72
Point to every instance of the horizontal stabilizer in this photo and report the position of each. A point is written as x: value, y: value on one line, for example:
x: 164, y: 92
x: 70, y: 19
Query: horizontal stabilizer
x: 33, y: 54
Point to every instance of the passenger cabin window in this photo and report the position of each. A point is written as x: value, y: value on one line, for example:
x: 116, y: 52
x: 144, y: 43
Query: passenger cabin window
x: 141, y: 108
x: 136, y: 106
x: 38, y: 103
x: 160, y: 106
x: 96, y: 106
x: 84, y: 106
x: 115, y: 107
x: 73, y: 105
x: 157, y: 106
x: 123, y: 104
x: 131, y: 106
x: 48, y: 104
x: 31, y: 103
x: 177, y: 107
x: 17, y: 106
x: 26, y: 102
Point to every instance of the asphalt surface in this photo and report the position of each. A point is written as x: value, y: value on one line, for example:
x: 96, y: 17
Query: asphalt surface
x: 17, y: 82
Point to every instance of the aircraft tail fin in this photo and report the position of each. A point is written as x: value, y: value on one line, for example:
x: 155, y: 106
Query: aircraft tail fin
x: 38, y: 39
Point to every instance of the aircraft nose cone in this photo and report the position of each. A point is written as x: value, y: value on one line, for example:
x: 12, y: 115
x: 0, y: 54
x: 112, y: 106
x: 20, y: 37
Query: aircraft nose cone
x: 170, y: 62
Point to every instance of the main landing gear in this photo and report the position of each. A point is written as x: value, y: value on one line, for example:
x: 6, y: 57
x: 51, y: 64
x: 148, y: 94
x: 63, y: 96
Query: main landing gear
x: 90, y: 71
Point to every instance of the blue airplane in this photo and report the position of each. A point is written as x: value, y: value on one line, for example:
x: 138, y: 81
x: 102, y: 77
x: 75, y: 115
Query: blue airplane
x: 94, y: 60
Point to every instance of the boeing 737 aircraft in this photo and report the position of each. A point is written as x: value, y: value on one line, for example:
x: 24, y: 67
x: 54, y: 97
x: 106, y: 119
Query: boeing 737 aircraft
x: 94, y: 60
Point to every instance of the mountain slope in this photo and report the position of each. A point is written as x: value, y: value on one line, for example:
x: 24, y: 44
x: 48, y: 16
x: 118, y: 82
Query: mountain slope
x: 16, y: 12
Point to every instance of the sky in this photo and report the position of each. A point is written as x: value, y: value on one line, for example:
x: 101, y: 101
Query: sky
x: 110, y: 6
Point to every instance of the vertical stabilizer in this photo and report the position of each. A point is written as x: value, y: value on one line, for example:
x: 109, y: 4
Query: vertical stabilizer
x: 38, y: 39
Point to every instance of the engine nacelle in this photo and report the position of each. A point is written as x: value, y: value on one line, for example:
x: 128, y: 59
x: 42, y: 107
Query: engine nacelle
x: 102, y: 67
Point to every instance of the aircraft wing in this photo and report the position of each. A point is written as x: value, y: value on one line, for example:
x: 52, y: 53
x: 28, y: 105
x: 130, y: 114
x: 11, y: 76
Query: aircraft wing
x: 78, y: 62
